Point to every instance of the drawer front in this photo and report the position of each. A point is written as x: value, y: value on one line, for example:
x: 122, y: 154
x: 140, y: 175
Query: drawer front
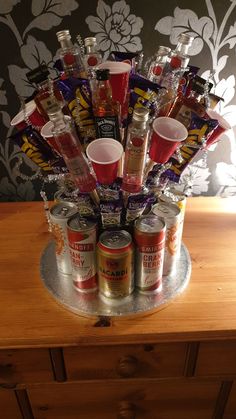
x: 122, y: 399
x: 162, y: 360
x: 8, y: 405
x: 230, y: 409
x: 216, y: 359
x: 19, y: 366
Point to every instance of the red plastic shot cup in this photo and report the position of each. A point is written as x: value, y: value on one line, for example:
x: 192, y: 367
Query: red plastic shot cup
x: 219, y: 130
x: 119, y: 79
x: 167, y: 135
x: 32, y: 114
x: 47, y: 134
x: 105, y: 154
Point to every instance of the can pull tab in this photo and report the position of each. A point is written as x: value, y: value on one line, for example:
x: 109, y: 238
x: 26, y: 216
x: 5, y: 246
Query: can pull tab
x: 82, y: 223
x: 64, y: 211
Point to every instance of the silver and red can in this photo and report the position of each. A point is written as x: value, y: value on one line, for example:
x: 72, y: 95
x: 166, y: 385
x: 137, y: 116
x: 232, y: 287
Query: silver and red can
x: 149, y: 236
x: 172, y: 216
x: 177, y: 197
x: 59, y: 215
x: 115, y: 262
x: 82, y: 236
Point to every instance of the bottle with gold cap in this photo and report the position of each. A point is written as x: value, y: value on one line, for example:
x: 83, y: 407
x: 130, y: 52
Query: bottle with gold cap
x: 92, y: 56
x: 135, y: 151
x: 70, y: 55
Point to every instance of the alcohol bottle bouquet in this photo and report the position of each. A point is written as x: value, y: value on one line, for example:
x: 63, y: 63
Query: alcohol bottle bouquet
x: 117, y: 136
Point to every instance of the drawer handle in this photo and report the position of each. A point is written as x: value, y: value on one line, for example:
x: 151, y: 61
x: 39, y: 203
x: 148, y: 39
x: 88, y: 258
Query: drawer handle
x: 127, y: 366
x: 126, y: 411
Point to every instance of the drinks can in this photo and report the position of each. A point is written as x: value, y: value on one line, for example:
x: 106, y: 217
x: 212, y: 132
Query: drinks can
x: 115, y: 261
x: 59, y: 215
x: 172, y: 216
x: 174, y: 196
x: 82, y: 245
x: 149, y: 235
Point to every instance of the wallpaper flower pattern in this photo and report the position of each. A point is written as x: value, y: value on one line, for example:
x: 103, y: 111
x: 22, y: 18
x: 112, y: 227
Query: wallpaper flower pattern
x: 29, y: 31
x: 115, y: 28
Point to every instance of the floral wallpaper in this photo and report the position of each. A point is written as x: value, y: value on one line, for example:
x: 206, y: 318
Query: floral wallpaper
x: 28, y: 37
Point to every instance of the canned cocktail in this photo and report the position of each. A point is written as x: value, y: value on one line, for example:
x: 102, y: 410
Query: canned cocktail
x: 172, y: 216
x: 82, y: 246
x: 59, y: 215
x: 174, y: 196
x: 149, y: 238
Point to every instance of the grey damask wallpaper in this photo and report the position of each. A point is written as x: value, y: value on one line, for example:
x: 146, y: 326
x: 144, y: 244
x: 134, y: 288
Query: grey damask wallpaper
x: 28, y: 37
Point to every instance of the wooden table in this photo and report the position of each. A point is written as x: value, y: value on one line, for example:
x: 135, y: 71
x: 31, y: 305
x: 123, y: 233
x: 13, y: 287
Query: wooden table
x: 178, y: 363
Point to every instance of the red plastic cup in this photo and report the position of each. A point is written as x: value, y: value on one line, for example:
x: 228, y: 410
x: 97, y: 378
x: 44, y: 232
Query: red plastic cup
x: 119, y: 79
x: 166, y: 136
x: 33, y: 115
x: 47, y: 134
x: 105, y: 154
x: 219, y: 130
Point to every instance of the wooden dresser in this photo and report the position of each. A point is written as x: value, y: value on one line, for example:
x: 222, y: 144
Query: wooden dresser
x: 178, y: 363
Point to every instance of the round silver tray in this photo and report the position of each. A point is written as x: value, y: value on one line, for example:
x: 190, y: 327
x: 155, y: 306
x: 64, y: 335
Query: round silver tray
x: 93, y: 304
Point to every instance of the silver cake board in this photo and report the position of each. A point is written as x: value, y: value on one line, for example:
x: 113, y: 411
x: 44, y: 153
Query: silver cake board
x: 60, y: 286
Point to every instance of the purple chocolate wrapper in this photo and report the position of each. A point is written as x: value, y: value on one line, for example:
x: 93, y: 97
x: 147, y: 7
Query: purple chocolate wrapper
x: 198, y: 130
x: 137, y: 204
x: 143, y: 93
x: 37, y: 149
x: 78, y: 96
x: 111, y: 212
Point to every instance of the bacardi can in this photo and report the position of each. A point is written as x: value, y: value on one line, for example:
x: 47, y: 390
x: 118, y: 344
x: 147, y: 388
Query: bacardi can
x: 149, y: 236
x: 115, y: 261
x: 172, y: 216
x: 82, y: 245
x: 59, y: 215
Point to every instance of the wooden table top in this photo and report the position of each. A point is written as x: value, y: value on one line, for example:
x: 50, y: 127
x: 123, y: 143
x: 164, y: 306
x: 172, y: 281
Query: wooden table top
x: 30, y: 317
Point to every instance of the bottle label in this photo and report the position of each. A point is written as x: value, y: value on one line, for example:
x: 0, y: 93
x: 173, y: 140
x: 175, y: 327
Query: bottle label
x: 107, y: 127
x: 92, y: 61
x: 48, y: 103
x: 135, y: 160
x: 184, y: 115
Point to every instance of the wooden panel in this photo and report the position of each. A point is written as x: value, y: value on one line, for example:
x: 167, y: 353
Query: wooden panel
x: 161, y: 360
x: 9, y: 408
x: 25, y: 366
x: 230, y: 410
x: 216, y: 359
x: 149, y: 399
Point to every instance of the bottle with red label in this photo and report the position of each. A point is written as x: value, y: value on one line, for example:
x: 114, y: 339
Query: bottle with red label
x: 173, y: 71
x: 178, y: 59
x: 183, y: 106
x: 70, y: 56
x: 92, y: 56
x: 155, y: 68
x: 135, y: 151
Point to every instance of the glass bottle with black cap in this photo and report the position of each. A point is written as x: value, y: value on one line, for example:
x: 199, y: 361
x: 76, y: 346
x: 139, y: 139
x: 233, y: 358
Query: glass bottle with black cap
x: 183, y: 106
x: 47, y: 95
x: 106, y: 110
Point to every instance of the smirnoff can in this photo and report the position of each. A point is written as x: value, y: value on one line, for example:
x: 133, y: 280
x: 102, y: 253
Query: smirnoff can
x: 59, y: 215
x: 174, y: 196
x: 172, y: 216
x: 115, y: 261
x: 149, y: 235
x: 82, y: 245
